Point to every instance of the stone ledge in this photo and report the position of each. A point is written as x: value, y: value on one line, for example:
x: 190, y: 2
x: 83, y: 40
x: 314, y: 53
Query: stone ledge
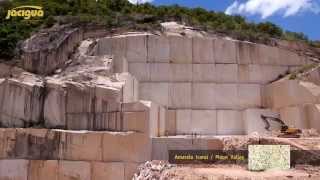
x: 21, y: 169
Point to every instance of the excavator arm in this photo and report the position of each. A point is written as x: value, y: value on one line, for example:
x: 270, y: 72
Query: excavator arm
x: 265, y: 119
x: 285, y: 130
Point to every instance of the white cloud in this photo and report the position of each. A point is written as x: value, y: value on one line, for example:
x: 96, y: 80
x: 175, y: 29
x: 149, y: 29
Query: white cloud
x: 139, y: 1
x: 266, y: 8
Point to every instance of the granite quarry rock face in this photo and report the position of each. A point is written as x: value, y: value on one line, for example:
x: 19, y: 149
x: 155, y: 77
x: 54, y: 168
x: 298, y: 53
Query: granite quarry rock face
x: 85, y: 95
x: 197, y: 78
x: 98, y: 110
x: 207, y: 84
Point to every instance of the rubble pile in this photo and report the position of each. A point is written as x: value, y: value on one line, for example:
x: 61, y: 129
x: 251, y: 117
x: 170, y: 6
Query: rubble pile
x: 148, y: 171
x: 152, y: 170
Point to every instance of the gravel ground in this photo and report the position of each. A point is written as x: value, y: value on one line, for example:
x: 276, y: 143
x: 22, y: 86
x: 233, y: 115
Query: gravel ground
x: 164, y: 171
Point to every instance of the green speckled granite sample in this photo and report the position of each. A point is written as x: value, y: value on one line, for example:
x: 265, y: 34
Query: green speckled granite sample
x: 264, y: 157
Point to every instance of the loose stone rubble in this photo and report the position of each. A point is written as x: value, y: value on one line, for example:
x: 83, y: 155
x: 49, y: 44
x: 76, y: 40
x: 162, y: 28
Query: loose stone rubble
x: 152, y: 170
x: 99, y: 110
x: 233, y: 172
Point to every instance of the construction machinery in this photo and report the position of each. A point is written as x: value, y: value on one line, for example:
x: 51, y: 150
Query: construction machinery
x: 286, y: 131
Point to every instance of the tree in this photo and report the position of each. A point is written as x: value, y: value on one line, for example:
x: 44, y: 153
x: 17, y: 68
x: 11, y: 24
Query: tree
x: 270, y: 28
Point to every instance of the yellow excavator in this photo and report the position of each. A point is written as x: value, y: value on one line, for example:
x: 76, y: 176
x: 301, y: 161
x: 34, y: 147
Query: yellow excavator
x: 286, y: 131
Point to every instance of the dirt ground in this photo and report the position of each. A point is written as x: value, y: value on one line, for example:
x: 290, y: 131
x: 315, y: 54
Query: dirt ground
x: 163, y: 171
x: 309, y: 142
x: 220, y: 172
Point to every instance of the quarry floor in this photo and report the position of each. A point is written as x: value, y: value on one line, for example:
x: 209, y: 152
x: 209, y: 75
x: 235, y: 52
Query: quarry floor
x: 216, y: 172
x: 164, y: 171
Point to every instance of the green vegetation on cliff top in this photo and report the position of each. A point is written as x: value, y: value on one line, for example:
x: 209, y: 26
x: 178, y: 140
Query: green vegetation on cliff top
x: 120, y: 13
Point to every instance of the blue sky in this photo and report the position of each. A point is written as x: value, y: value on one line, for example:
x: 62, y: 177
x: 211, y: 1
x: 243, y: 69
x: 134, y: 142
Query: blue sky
x: 293, y: 15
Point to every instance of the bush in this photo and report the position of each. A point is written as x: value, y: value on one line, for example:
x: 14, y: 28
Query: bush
x: 50, y: 21
x: 293, y: 36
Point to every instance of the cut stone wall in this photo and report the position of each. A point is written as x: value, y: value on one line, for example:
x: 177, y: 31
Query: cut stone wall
x: 254, y: 123
x: 218, y: 122
x: 14, y: 170
x: 313, y: 76
x: 31, y: 101
x: 199, y: 86
x: 290, y: 93
x: 313, y: 115
x: 161, y: 145
x: 194, y: 78
x: 47, y: 144
x: 65, y: 170
x: 215, y: 73
x: 295, y: 116
x: 202, y: 95
x: 46, y: 153
x: 295, y: 100
x: 304, y: 116
x: 176, y: 49
x: 229, y: 122
x: 21, y: 100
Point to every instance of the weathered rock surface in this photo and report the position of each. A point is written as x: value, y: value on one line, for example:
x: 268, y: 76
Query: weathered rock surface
x: 49, y: 50
x: 86, y: 95
x: 21, y: 100
x: 190, y: 84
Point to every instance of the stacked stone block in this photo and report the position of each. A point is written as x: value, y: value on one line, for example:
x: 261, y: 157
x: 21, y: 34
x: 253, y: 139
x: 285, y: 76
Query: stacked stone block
x: 68, y: 154
x: 21, y: 100
x: 102, y: 130
x: 200, y: 78
x: 31, y: 101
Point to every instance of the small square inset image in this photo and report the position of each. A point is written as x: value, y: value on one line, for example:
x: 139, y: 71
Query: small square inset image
x: 265, y: 157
